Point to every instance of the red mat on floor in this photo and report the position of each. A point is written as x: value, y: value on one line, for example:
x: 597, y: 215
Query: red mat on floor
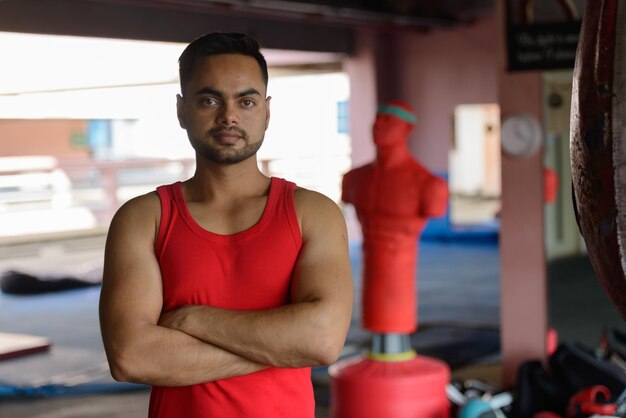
x: 14, y: 345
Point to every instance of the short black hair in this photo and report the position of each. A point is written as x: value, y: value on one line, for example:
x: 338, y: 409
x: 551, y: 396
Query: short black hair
x: 219, y: 43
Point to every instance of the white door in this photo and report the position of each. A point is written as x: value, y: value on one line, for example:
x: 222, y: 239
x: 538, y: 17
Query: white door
x: 561, y: 232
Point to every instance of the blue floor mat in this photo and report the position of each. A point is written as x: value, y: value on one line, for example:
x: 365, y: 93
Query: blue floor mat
x: 75, y: 364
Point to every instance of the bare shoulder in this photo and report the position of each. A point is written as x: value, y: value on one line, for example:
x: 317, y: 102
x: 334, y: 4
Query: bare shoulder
x: 314, y: 209
x: 149, y: 201
x: 138, y: 214
x: 308, y: 201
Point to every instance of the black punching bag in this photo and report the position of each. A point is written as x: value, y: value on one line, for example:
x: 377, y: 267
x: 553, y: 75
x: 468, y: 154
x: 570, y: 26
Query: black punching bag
x: 598, y: 143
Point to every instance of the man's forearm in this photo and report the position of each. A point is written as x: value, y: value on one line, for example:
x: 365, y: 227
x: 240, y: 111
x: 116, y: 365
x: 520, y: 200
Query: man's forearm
x: 166, y: 357
x: 294, y: 335
x: 308, y: 332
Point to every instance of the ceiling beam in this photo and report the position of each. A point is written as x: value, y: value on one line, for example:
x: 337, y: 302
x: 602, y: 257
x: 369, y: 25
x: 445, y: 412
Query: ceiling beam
x: 168, y: 21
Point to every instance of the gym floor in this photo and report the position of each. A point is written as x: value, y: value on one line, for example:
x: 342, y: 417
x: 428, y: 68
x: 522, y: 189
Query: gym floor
x: 458, y: 316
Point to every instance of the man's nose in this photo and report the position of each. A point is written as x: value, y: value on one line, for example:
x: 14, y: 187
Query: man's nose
x: 229, y: 114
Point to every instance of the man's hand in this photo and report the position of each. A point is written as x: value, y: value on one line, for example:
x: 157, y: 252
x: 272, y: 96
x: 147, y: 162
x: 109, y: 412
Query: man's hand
x: 174, y: 319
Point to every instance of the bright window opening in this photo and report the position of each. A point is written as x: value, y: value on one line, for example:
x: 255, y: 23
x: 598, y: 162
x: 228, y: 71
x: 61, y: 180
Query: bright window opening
x: 89, y: 123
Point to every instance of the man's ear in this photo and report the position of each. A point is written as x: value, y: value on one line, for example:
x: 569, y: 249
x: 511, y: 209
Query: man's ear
x: 180, y: 111
x: 267, y: 109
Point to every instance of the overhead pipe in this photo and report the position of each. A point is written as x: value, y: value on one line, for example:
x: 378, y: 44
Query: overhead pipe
x: 289, y: 10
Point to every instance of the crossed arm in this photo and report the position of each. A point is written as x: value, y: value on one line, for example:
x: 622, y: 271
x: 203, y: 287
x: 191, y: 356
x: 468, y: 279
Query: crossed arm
x: 196, y: 344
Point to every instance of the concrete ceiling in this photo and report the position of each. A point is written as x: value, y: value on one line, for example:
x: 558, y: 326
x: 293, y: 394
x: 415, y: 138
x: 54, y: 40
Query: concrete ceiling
x: 171, y: 21
x: 418, y: 14
x: 326, y: 26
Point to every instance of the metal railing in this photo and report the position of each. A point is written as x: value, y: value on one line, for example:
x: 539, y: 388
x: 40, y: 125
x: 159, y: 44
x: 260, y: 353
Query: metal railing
x: 42, y: 194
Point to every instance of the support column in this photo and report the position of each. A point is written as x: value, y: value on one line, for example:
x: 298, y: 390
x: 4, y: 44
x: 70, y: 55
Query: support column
x: 523, y: 294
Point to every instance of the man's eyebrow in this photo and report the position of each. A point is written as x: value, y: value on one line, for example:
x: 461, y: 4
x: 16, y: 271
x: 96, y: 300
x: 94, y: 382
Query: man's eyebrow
x: 209, y: 90
x: 217, y: 93
x: 248, y: 92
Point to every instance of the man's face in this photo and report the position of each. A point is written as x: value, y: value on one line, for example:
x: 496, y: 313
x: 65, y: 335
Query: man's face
x: 389, y: 130
x: 224, y: 108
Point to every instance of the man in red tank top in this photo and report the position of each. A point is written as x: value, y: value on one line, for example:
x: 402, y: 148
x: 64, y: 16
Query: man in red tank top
x: 223, y: 290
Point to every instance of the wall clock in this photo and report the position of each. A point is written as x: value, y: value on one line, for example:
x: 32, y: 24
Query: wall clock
x: 521, y: 135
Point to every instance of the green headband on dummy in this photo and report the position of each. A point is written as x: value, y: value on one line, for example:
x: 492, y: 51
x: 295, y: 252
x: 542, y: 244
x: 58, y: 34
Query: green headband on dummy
x: 397, y: 111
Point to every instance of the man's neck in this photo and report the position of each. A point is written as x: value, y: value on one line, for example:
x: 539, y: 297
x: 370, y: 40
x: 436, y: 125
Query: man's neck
x: 226, y: 181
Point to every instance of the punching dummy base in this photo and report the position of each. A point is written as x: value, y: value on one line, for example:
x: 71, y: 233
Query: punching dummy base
x: 366, y: 388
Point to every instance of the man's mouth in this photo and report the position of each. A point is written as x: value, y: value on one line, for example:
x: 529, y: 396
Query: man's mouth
x: 227, y: 137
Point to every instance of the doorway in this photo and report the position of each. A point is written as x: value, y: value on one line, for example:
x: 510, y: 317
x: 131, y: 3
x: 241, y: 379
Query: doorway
x: 474, y: 162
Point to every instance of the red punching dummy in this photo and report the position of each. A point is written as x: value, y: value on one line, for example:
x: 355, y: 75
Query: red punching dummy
x: 598, y: 143
x: 393, y: 197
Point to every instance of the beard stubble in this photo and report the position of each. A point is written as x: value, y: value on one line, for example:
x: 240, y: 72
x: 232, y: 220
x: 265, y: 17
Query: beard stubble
x: 226, y: 154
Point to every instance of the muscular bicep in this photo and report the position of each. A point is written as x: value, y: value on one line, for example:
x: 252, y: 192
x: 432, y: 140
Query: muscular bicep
x: 322, y: 273
x: 131, y: 286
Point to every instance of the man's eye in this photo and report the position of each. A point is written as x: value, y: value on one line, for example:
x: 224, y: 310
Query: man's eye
x: 209, y: 102
x: 247, y: 103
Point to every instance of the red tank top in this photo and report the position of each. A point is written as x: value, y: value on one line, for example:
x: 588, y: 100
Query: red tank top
x: 251, y: 269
